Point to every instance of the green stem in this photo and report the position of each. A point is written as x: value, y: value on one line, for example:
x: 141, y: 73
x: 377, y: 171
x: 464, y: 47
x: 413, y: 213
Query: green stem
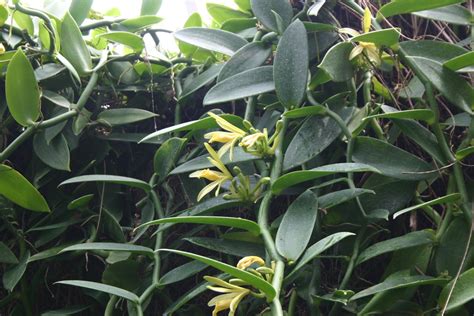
x: 109, y: 309
x: 292, y: 304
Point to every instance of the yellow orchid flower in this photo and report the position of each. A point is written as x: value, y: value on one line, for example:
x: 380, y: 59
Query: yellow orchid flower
x: 370, y: 49
x: 249, y: 142
x: 2, y: 49
x: 229, y: 138
x: 217, y: 178
x: 231, y: 298
x: 246, y: 262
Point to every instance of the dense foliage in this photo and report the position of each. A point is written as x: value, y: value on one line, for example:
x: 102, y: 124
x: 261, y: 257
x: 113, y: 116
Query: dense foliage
x: 294, y: 158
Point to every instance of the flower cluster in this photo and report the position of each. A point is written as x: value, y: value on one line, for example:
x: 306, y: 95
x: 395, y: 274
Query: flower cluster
x: 365, y: 49
x: 234, y: 290
x: 251, y: 141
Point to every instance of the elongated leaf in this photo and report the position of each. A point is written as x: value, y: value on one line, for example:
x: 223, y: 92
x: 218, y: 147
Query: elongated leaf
x: 462, y: 61
x: 290, y: 68
x: 6, y: 255
x: 407, y: 6
x: 451, y: 246
x: 126, y: 38
x: 463, y: 153
x: 221, y: 13
x: 202, y: 162
x: 166, y: 156
x: 297, y: 226
x: 200, y: 81
x: 109, y: 246
x: 69, y: 310
x: 103, y: 288
x: 12, y: 276
x: 454, y: 14
x: 182, y: 272
x: 22, y: 91
x: 80, y: 202
x: 131, y: 182
x: 73, y: 47
x: 338, y: 197
x: 20, y: 191
x: 79, y: 10
x: 462, y: 293
x: 295, y: 177
x: 236, y: 248
x: 255, y: 281
x: 429, y: 57
x: 391, y: 161
x: 204, y: 123
x: 319, y: 27
x: 441, y: 200
x: 399, y: 283
x: 336, y: 62
x: 409, y: 240
x: 318, y: 248
x: 136, y: 24
x: 305, y: 111
x: 55, y: 154
x: 263, y: 10
x: 234, y: 222
x: 116, y: 117
x: 215, y: 40
x: 150, y: 7
x: 417, y: 114
x: 248, y: 57
x: 387, y: 37
x: 245, y: 84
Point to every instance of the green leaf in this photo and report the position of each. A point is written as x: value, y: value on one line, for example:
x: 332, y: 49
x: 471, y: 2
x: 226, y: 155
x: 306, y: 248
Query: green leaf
x: 3, y: 15
x: 22, y: 91
x: 452, y: 246
x: 150, y: 7
x: 24, y: 21
x: 79, y: 10
x: 194, y: 20
x: 182, y: 272
x: 236, y: 248
x: 6, y: 255
x: 243, y: 5
x: 125, y: 38
x: 69, y: 310
x: 235, y: 222
x: 56, y: 99
x: 202, y: 162
x: 221, y: 13
x: 460, y: 62
x: 441, y: 200
x: 463, y: 153
x: 290, y: 68
x: 409, y: 240
x: 17, y: 189
x: 109, y: 246
x: 318, y: 248
x: 248, y: 277
x: 248, y: 57
x: 338, y: 197
x: 12, y: 276
x: 454, y: 14
x: 462, y: 293
x: 73, y: 47
x: 297, y: 226
x: 215, y: 40
x: 386, y: 37
x: 136, y: 24
x: 426, y: 115
x: 263, y: 10
x: 103, y: 288
x: 336, y: 62
x: 201, y: 124
x: 245, y: 84
x: 116, y: 117
x: 429, y: 57
x: 55, y: 154
x: 292, y: 178
x: 80, y: 202
x: 305, y: 111
x: 131, y: 182
x: 396, y: 7
x: 391, y: 161
x: 202, y: 80
x: 399, y: 283
x: 166, y: 156
x: 319, y: 27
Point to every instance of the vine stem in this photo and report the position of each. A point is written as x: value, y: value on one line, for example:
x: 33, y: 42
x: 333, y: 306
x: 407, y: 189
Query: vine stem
x: 30, y: 130
x: 270, y: 246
